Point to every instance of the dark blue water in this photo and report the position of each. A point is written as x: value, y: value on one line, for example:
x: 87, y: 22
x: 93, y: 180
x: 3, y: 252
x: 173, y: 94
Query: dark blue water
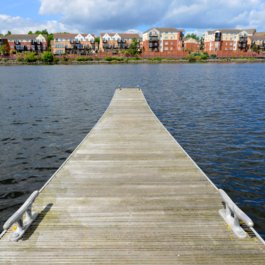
x: 215, y: 111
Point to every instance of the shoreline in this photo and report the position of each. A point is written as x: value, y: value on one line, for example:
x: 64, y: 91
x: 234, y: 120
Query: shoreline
x: 8, y: 62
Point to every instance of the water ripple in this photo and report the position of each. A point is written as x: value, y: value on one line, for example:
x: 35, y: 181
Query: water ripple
x: 216, y: 112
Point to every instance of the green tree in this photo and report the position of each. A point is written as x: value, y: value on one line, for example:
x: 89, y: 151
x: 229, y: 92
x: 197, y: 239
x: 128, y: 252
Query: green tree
x: 255, y: 48
x: 43, y: 32
x: 97, y: 39
x: 30, y: 32
x: 47, y: 57
x: 8, y: 33
x: 193, y: 36
x: 49, y: 39
x: 4, y: 50
x: 134, y: 48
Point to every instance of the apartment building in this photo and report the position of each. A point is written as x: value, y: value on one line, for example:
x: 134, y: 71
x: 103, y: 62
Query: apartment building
x: 115, y: 42
x: 163, y: 39
x: 69, y: 43
x: 27, y: 42
x: 191, y: 44
x: 258, y: 41
x: 228, y: 40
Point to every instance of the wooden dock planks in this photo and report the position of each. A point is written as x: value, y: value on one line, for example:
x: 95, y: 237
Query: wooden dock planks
x: 129, y: 194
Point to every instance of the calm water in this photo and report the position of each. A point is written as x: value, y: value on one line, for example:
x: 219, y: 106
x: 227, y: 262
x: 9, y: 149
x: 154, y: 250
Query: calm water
x: 216, y: 112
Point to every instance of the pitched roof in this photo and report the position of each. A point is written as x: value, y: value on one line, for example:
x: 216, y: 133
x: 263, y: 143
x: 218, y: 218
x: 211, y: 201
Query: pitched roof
x: 161, y: 30
x: 232, y: 31
x: 122, y: 35
x: 192, y: 40
x: 129, y: 35
x: 64, y: 35
x: 22, y: 36
x: 259, y: 36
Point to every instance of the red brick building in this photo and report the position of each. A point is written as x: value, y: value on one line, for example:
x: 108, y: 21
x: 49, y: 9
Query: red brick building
x: 191, y: 45
x: 27, y: 42
x: 162, y: 40
x: 228, y: 40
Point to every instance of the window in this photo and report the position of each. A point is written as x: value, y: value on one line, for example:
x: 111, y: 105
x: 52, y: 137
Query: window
x: 166, y: 43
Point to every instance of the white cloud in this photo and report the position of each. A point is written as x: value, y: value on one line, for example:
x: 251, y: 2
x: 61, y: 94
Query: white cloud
x: 23, y: 25
x: 121, y: 15
x: 104, y: 14
x: 91, y: 15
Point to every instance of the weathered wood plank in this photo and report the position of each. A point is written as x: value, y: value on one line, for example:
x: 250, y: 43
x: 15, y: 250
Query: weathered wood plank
x: 129, y: 194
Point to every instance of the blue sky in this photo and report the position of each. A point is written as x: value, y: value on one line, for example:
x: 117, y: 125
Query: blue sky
x: 94, y: 16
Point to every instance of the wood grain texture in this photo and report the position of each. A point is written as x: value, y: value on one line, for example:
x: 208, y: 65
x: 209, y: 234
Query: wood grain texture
x: 129, y: 194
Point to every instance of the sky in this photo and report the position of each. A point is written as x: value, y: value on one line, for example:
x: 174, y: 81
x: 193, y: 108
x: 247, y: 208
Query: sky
x: 95, y: 16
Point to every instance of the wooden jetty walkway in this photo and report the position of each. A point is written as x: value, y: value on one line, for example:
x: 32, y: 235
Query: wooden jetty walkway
x: 129, y: 194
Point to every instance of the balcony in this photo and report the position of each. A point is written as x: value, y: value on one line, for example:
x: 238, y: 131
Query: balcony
x: 153, y: 45
x: 35, y: 42
x: 121, y: 41
x: 218, y: 36
x: 153, y: 38
x: 19, y: 48
x: 75, y: 42
x: 107, y: 46
x: 242, y: 45
x: 243, y: 39
x: 79, y: 47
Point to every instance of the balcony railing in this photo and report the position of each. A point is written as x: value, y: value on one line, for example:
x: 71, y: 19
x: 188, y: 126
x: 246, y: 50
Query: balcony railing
x: 153, y: 38
x: 107, y: 46
x: 35, y: 42
x: 75, y: 42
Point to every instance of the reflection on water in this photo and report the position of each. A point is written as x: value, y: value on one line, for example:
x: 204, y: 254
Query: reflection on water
x: 216, y: 112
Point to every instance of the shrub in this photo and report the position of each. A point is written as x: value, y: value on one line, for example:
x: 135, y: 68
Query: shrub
x: 204, y: 56
x: 135, y: 58
x: 192, y: 59
x: 84, y: 59
x: 47, y: 57
x: 20, y: 57
x: 30, y: 57
x: 213, y: 56
x: 55, y: 60
x: 109, y: 59
x: 156, y: 59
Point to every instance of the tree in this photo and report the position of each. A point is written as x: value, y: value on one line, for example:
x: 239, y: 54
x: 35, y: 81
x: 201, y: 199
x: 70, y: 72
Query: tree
x: 30, y: 32
x: 134, y: 48
x: 4, y: 50
x: 47, y: 57
x: 8, y: 33
x: 193, y: 36
x: 255, y: 48
x: 49, y: 39
x: 97, y: 39
x: 43, y: 32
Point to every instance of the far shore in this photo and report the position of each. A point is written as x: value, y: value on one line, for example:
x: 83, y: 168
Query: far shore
x: 132, y: 60
x: 158, y: 60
